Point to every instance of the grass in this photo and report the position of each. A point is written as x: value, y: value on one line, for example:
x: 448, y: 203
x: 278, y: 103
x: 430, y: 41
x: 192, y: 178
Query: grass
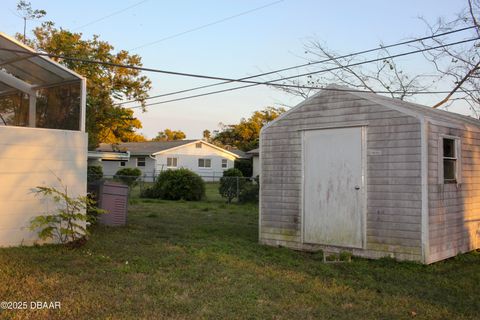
x: 202, y: 260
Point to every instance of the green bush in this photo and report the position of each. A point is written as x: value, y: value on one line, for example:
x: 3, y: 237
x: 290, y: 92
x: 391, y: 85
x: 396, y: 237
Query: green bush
x: 129, y: 176
x: 231, y: 183
x: 94, y: 173
x: 245, y: 166
x: 180, y: 184
x: 249, y: 193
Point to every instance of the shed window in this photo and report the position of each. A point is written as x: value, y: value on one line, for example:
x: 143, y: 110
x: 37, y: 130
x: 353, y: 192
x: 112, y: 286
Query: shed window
x: 141, y: 162
x: 198, y: 145
x: 123, y: 163
x: 224, y: 163
x: 204, y: 163
x: 450, y: 158
x: 172, y: 162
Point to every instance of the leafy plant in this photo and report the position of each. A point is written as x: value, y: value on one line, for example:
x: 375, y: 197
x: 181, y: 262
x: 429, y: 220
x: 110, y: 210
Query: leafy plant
x: 68, y: 222
x: 249, y: 193
x: 129, y: 176
x: 180, y: 184
x: 244, y: 165
x: 231, y: 184
x: 94, y: 173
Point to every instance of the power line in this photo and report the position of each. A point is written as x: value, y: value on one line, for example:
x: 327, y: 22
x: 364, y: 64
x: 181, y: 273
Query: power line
x: 304, y: 65
x: 316, y: 72
x: 202, y: 76
x: 251, y: 83
x: 206, y: 25
x: 110, y: 15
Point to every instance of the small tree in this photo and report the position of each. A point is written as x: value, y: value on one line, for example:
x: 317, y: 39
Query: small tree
x: 94, y: 173
x: 68, y: 222
x: 129, y: 176
x: 231, y: 184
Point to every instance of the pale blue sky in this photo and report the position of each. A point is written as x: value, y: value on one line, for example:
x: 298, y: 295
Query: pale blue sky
x: 263, y: 40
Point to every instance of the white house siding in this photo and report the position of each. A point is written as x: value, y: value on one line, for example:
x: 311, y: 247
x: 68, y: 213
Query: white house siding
x: 31, y: 157
x: 393, y: 226
x: 188, y: 155
x: 255, y: 165
x: 148, y: 171
x: 454, y: 210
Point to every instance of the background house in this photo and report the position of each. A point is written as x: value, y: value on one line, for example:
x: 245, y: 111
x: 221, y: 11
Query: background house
x: 255, y: 156
x: 205, y: 159
x: 376, y: 176
x: 42, y: 136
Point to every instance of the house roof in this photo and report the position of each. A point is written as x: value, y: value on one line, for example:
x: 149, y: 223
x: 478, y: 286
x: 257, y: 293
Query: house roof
x: 254, y: 152
x: 109, y: 155
x: 144, y: 148
x: 240, y: 153
x: 155, y: 147
x: 22, y: 66
x: 413, y: 109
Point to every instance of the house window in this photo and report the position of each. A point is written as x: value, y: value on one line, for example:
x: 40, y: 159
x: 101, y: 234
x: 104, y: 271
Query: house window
x: 172, y: 162
x: 224, y: 163
x: 198, y: 145
x: 123, y: 163
x: 141, y: 162
x: 204, y: 163
x: 450, y: 158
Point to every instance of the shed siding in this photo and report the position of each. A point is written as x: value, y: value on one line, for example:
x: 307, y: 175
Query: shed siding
x: 454, y: 209
x: 393, y: 177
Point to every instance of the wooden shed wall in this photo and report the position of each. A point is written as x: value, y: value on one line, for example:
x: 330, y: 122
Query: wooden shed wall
x: 393, y: 178
x: 454, y: 210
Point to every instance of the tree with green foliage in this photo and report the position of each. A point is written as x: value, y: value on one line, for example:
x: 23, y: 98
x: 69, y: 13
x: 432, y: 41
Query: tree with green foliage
x: 105, y: 122
x: 231, y: 183
x: 26, y: 12
x: 129, y: 176
x: 246, y: 134
x: 170, y: 135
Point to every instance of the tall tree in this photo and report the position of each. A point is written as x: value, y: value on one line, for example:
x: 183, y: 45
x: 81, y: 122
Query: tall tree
x: 245, y: 135
x: 26, y: 12
x: 105, y: 84
x: 170, y: 135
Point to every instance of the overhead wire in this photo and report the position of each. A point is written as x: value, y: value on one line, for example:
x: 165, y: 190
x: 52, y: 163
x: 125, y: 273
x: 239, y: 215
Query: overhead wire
x: 382, y: 47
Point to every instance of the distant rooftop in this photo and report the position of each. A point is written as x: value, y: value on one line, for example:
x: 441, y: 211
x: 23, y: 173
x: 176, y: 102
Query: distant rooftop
x: 143, y: 148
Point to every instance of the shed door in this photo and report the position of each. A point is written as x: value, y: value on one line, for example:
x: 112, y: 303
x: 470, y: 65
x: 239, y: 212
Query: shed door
x: 333, y: 187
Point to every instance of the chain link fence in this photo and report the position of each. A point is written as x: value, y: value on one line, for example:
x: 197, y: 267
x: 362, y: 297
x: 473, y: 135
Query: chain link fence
x: 229, y: 188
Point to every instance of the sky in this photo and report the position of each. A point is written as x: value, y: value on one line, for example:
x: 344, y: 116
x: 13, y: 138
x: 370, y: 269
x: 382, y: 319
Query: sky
x: 234, y: 39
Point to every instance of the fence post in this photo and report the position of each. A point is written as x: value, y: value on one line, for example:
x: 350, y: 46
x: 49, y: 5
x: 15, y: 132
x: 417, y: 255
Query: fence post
x: 238, y: 187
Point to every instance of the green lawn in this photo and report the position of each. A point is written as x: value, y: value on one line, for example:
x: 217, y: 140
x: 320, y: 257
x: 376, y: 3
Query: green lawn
x: 202, y: 260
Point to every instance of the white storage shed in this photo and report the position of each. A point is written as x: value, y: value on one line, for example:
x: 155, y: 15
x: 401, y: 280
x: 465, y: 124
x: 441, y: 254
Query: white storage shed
x: 353, y: 171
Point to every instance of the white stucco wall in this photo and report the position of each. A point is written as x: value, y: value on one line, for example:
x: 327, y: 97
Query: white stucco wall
x: 31, y: 157
x: 188, y: 156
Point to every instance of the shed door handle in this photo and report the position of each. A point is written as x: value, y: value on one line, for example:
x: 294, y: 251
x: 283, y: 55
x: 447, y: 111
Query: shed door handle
x: 357, y: 188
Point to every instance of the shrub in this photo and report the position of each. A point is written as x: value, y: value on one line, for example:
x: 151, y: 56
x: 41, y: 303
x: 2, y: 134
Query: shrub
x: 67, y: 223
x: 231, y: 184
x: 249, y: 193
x: 179, y: 184
x: 129, y: 176
x: 245, y: 166
x: 94, y: 173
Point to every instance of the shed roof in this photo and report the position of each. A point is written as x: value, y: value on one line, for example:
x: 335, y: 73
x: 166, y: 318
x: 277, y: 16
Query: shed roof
x: 402, y: 106
x: 23, y: 63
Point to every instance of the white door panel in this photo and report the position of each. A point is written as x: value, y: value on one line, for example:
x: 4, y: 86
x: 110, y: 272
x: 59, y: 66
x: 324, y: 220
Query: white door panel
x: 333, y: 187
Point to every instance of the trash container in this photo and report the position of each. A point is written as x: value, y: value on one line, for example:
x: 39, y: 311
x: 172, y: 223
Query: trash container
x: 113, y: 198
